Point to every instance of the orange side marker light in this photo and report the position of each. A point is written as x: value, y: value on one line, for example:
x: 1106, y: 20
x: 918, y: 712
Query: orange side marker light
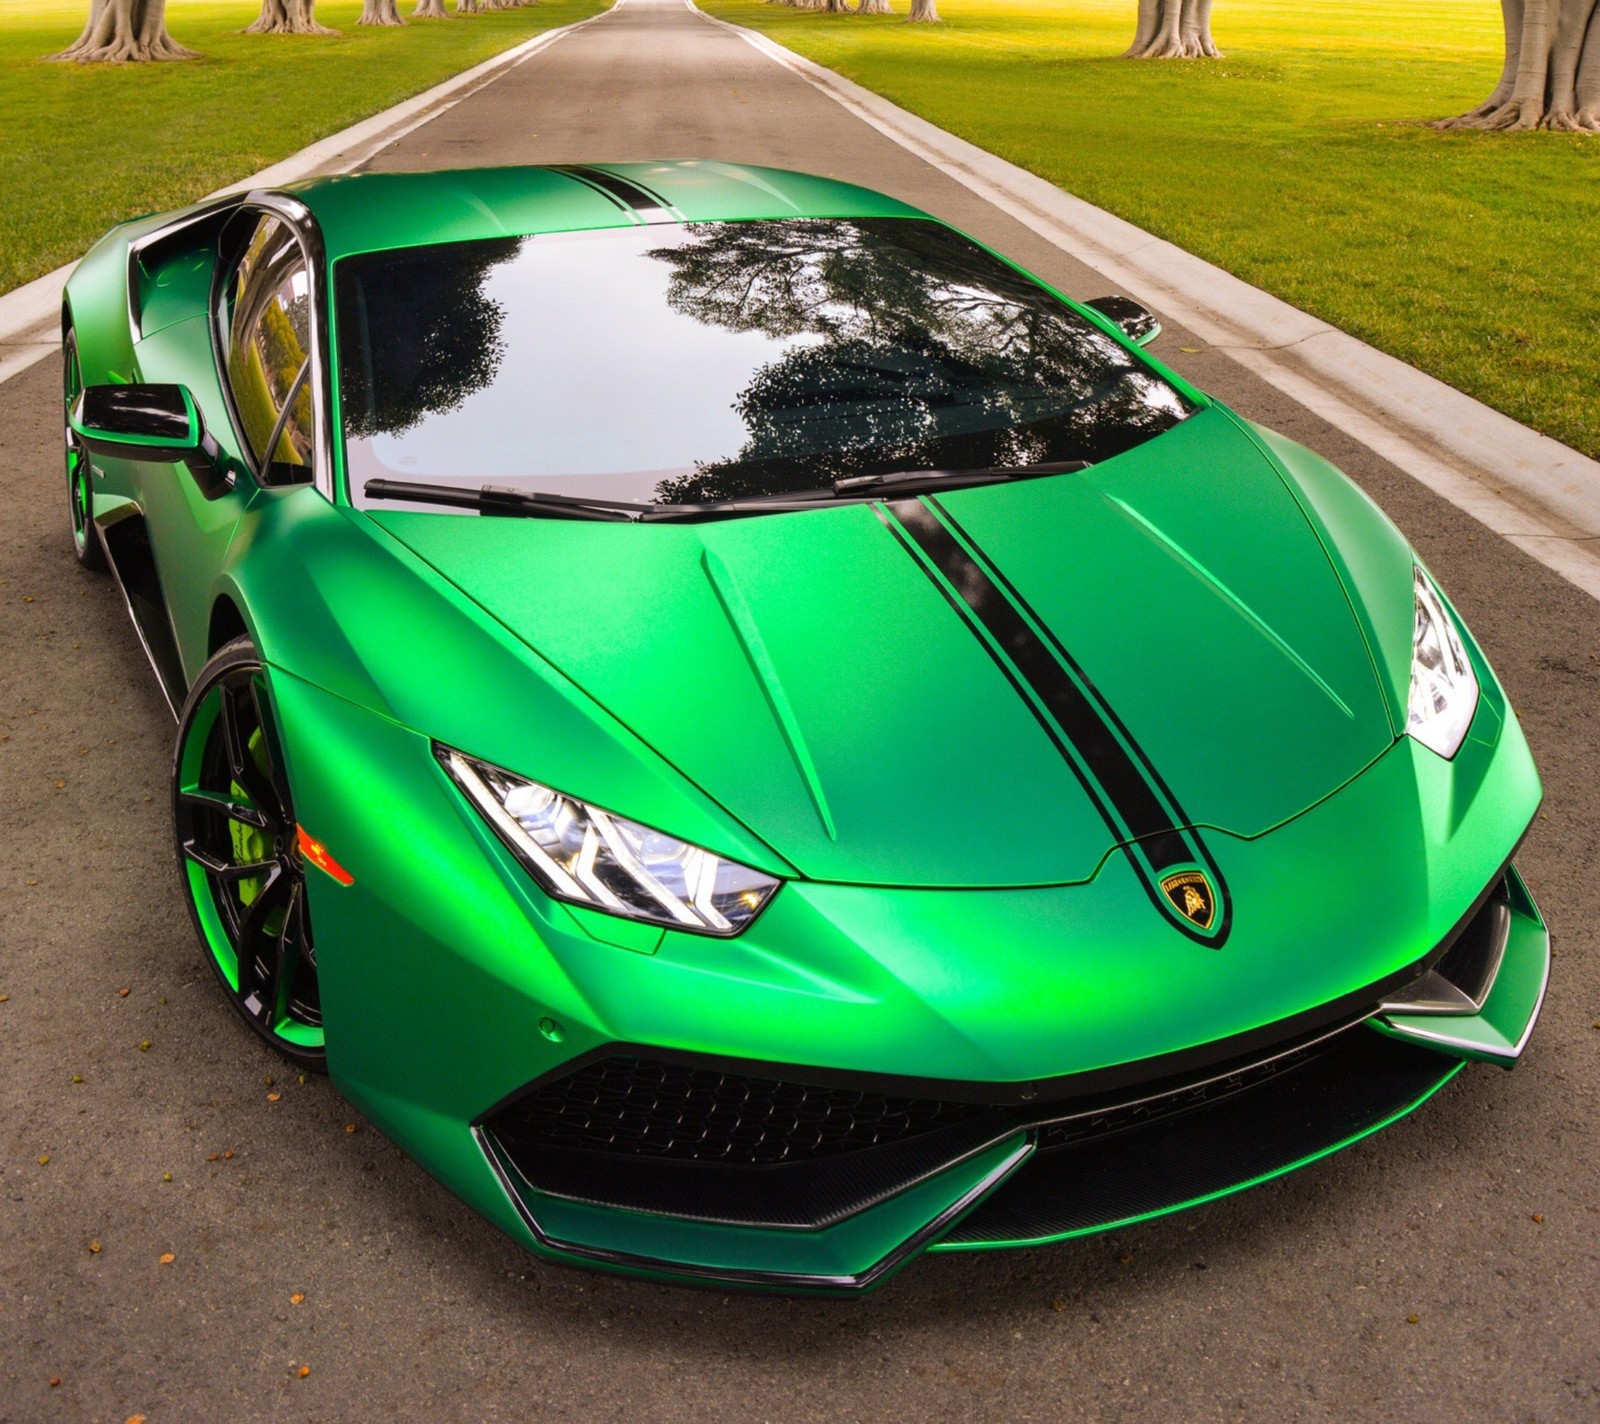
x: 318, y: 855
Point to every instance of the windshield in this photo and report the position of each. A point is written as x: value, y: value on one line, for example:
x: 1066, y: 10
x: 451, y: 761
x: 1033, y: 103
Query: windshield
x: 714, y: 361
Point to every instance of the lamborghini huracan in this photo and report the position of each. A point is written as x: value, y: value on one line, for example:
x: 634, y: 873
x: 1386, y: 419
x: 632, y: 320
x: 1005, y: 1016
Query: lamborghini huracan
x: 754, y: 738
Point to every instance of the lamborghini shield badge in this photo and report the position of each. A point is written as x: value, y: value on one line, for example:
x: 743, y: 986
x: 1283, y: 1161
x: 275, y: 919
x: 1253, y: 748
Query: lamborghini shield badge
x: 1189, y: 892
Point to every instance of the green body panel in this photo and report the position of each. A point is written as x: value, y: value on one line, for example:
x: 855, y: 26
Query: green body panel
x: 796, y: 693
x: 843, y: 695
x: 376, y: 211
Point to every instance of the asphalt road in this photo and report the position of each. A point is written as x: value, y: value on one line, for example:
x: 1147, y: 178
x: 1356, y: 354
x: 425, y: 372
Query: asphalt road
x: 1446, y: 1269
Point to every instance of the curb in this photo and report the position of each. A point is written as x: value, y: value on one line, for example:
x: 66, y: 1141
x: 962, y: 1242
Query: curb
x: 29, y: 314
x: 1535, y: 492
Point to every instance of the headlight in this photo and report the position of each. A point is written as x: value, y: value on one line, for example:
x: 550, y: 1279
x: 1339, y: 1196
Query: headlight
x: 580, y: 853
x: 1444, y: 689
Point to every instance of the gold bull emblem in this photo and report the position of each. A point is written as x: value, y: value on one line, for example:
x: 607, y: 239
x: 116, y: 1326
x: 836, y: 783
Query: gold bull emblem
x: 1189, y: 892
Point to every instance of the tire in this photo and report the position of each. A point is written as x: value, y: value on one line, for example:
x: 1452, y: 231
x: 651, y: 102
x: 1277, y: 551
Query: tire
x: 239, y: 862
x: 80, y: 488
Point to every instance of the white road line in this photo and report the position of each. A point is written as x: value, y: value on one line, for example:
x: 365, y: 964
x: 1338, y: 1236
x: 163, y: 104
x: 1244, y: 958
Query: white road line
x: 1531, y: 490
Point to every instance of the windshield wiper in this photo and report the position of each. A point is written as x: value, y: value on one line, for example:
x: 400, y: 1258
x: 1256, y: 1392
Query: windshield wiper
x: 911, y: 480
x: 498, y: 499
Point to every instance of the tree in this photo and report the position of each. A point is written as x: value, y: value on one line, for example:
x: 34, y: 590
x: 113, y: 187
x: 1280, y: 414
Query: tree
x: 125, y: 31
x: 924, y: 10
x: 873, y: 7
x: 430, y: 10
x: 1173, y: 29
x: 288, y: 17
x: 380, y: 12
x: 1551, y: 76
x: 468, y: 7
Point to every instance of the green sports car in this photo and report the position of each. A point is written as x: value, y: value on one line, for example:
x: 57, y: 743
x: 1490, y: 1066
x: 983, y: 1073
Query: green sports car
x: 754, y: 738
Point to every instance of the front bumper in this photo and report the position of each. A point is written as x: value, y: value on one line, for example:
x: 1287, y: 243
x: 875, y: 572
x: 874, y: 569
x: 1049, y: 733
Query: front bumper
x: 450, y: 985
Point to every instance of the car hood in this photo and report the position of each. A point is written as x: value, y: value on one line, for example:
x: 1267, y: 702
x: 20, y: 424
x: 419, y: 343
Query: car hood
x: 845, y: 684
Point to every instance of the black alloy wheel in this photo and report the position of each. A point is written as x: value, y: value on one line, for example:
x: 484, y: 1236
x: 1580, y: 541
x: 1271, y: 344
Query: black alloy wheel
x: 239, y: 856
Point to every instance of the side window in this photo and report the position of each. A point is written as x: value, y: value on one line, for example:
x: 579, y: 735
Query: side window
x: 267, y: 320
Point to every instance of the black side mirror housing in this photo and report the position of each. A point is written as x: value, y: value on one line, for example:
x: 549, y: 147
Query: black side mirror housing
x: 160, y: 424
x: 1135, y: 320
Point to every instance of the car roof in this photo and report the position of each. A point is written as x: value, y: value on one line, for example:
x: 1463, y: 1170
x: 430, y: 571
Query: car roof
x: 368, y: 212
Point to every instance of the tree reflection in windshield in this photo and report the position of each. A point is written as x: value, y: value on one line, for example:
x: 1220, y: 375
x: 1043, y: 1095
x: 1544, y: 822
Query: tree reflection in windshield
x: 710, y: 361
x: 428, y: 335
x: 906, y: 347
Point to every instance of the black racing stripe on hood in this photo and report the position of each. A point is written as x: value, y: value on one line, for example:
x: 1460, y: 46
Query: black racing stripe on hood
x: 650, y: 207
x: 1121, y: 782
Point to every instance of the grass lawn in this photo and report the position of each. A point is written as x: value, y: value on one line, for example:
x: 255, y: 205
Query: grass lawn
x: 84, y: 146
x: 1301, y: 163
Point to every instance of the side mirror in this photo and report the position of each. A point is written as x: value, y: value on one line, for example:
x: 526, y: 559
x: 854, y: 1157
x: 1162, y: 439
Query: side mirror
x: 1137, y: 322
x: 160, y: 424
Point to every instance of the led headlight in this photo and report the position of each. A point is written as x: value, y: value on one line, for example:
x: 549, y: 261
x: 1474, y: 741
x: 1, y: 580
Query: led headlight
x: 1444, y: 689
x: 580, y: 853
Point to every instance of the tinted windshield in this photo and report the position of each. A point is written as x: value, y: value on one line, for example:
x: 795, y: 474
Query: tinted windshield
x: 708, y: 361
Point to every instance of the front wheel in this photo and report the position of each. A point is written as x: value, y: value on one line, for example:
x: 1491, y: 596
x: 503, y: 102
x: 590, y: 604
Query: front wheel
x: 239, y: 855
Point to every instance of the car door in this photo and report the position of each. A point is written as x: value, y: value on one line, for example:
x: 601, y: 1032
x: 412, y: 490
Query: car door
x: 254, y: 390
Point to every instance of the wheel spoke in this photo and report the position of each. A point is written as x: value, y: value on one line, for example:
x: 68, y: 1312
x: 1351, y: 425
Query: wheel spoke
x: 241, y: 761
x: 286, y: 956
x: 233, y: 810
x: 227, y: 870
x: 251, y: 940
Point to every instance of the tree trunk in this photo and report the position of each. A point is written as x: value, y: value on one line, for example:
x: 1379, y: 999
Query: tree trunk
x: 468, y: 7
x: 836, y: 7
x: 380, y: 12
x: 1551, y: 77
x: 874, y: 7
x: 1173, y: 29
x: 430, y: 10
x: 923, y: 10
x: 288, y: 17
x: 123, y: 32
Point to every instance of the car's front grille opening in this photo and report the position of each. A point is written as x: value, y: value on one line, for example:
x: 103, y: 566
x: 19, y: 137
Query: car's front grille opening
x: 676, y: 1112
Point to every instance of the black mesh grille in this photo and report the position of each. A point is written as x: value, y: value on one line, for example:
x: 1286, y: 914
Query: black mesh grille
x: 669, y: 1111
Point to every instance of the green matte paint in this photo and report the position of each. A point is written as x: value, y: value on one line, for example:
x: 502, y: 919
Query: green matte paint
x: 794, y: 693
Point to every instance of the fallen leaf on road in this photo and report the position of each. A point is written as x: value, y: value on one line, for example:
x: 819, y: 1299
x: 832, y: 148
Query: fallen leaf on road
x: 228, y: 1155
x: 55, y: 1380
x: 94, y: 1248
x: 6, y: 999
x: 44, y: 1159
x: 167, y: 1258
x: 1538, y: 1219
x: 213, y: 1156
x: 298, y: 1298
x: 123, y: 993
x: 166, y: 1176
x: 304, y: 1371
x: 273, y: 1097
x: 144, y: 1046
x: 349, y: 1127
x: 1413, y: 1319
